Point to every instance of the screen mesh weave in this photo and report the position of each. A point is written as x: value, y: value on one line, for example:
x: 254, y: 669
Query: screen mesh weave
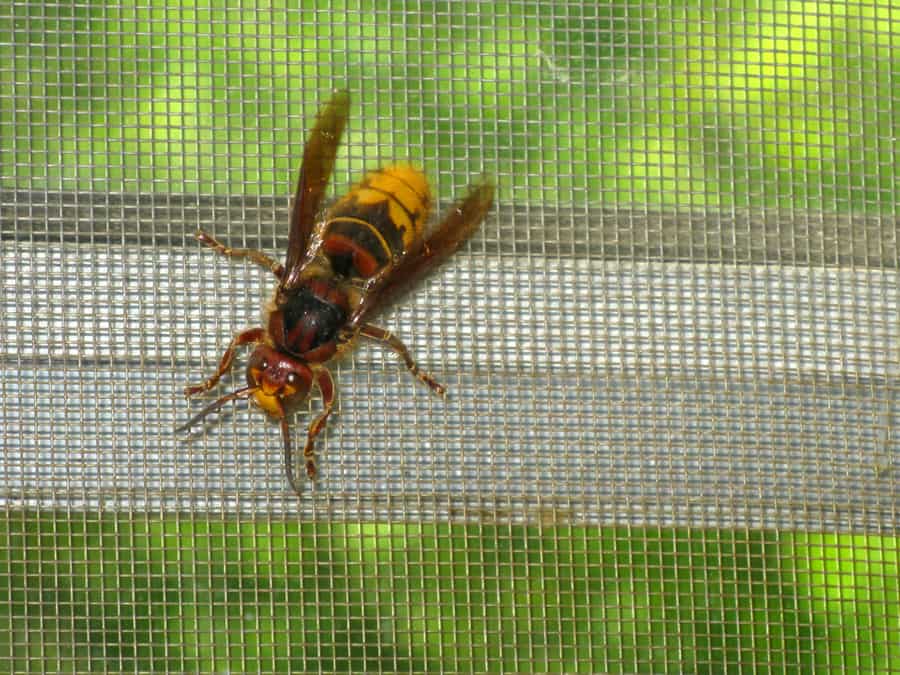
x: 677, y: 332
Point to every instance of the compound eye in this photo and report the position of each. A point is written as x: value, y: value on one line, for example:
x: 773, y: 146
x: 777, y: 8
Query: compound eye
x: 265, y: 364
x: 292, y: 378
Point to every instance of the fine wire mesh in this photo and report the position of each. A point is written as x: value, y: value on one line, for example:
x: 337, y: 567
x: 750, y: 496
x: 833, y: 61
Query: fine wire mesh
x: 682, y: 312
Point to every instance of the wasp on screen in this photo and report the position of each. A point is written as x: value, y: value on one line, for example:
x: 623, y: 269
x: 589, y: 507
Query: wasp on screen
x: 342, y: 267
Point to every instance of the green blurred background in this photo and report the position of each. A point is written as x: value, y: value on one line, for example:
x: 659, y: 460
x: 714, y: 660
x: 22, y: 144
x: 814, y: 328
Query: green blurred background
x: 83, y: 593
x: 756, y: 105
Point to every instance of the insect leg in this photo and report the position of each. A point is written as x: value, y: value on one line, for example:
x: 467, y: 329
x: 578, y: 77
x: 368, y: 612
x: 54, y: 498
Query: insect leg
x: 288, y: 455
x: 387, y: 338
x: 326, y: 387
x: 258, y: 257
x: 247, y: 337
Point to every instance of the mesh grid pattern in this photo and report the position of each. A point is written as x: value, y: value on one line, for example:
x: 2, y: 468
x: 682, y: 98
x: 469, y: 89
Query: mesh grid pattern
x: 672, y: 350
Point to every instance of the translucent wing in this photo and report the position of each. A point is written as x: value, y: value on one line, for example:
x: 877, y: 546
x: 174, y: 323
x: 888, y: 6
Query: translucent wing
x: 315, y: 171
x: 460, y: 223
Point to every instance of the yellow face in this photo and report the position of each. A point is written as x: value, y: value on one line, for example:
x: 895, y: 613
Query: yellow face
x: 282, y: 381
x: 269, y: 403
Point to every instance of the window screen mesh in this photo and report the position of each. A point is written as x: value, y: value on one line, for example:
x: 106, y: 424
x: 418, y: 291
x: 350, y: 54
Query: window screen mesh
x: 672, y: 349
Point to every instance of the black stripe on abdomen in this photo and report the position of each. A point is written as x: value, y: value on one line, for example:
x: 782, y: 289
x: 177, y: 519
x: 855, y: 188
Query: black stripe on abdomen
x: 376, y: 217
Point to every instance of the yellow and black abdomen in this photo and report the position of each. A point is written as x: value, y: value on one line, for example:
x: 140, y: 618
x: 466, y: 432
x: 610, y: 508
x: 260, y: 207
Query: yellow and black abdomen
x: 377, y: 221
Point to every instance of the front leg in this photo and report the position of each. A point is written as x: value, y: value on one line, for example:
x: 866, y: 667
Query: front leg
x: 387, y: 338
x: 326, y: 387
x: 247, y: 337
x: 258, y: 257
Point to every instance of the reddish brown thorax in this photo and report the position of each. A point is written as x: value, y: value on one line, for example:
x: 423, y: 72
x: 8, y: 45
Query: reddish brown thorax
x: 308, y: 320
